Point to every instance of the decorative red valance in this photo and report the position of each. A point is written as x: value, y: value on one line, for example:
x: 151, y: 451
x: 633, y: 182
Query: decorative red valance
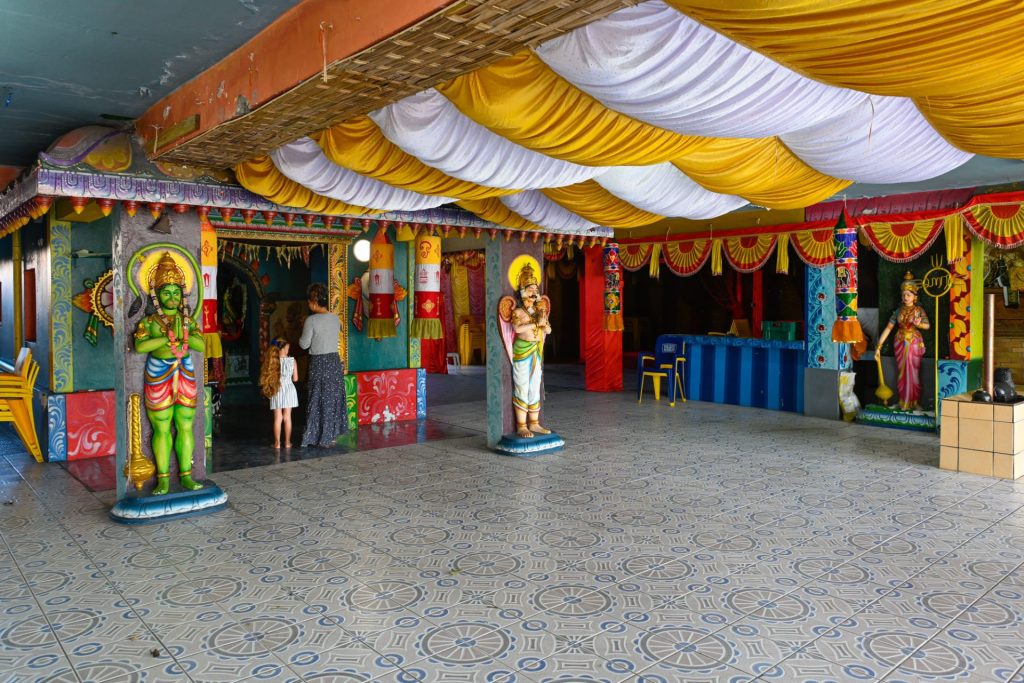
x: 994, y: 218
x: 745, y: 249
x: 634, y: 256
x: 687, y: 258
x: 816, y: 248
x: 903, y: 241
x: 750, y: 253
x: 1001, y: 225
x: 998, y: 219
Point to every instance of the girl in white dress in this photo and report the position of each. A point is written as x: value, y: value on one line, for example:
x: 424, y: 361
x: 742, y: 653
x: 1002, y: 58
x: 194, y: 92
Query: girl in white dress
x: 276, y: 382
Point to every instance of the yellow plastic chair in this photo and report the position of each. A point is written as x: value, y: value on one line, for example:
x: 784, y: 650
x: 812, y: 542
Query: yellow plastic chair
x: 16, y: 401
x: 668, y: 363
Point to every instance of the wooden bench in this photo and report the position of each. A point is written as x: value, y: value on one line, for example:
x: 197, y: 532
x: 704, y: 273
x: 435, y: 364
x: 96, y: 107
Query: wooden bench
x: 16, y: 401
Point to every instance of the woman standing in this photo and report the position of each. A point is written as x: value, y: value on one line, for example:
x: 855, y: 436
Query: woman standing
x: 909, y: 344
x: 325, y: 417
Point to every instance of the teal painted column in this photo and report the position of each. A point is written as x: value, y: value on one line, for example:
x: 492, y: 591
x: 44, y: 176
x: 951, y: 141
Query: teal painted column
x: 496, y: 357
x: 62, y: 365
x: 499, y: 256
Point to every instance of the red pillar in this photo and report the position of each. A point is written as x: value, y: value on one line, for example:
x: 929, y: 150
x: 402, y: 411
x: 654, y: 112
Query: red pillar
x: 602, y: 350
x: 757, y: 295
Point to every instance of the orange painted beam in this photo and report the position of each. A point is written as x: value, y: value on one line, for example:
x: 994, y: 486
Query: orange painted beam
x: 7, y: 176
x: 284, y: 54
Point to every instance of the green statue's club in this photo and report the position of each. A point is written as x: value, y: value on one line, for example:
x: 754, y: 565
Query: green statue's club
x: 153, y: 337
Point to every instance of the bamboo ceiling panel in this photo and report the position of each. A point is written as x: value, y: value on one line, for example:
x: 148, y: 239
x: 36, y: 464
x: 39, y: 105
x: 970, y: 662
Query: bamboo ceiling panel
x: 465, y: 36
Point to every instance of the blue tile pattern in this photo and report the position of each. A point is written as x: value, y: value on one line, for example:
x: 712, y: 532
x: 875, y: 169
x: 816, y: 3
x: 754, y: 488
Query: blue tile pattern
x: 56, y: 428
x: 721, y: 544
x: 820, y: 284
x: 421, y: 394
x: 952, y: 377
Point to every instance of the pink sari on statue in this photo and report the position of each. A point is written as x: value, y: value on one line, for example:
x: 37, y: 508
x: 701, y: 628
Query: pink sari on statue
x: 909, y: 349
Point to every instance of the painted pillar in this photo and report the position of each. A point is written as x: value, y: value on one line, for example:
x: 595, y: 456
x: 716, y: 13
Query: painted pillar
x: 612, y: 288
x: 132, y: 237
x: 820, y: 316
x: 757, y: 299
x: 208, y: 262
x: 602, y: 349
x: 62, y: 365
x: 425, y: 274
x: 381, y: 323
x: 823, y: 356
x: 847, y: 328
x: 337, y: 289
x: 499, y: 256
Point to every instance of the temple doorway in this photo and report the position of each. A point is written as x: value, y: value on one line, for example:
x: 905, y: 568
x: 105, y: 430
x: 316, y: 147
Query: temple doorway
x: 562, y: 285
x: 261, y: 296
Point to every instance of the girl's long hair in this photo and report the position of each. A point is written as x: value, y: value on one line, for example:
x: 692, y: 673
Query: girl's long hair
x: 270, y: 370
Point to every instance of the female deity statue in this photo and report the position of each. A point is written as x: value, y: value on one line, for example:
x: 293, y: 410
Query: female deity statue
x: 167, y: 337
x: 908, y: 346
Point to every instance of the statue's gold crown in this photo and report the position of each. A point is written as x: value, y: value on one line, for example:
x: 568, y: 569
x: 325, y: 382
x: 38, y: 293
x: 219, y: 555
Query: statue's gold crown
x: 527, y: 277
x: 166, y: 272
x: 909, y: 283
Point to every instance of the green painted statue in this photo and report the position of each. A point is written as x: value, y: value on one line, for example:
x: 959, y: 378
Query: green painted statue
x: 170, y: 393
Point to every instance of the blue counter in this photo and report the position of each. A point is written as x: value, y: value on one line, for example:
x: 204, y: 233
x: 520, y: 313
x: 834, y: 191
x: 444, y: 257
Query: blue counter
x: 760, y: 373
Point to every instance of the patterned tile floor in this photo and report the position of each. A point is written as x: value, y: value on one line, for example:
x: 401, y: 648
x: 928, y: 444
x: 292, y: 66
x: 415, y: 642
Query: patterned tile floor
x: 696, y: 543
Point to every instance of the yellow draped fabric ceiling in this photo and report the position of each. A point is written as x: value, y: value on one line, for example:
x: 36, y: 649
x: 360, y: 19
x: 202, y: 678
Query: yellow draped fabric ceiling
x: 359, y: 146
x: 762, y: 171
x: 959, y: 60
x: 259, y: 175
x: 523, y: 100
x: 494, y: 211
x: 593, y: 202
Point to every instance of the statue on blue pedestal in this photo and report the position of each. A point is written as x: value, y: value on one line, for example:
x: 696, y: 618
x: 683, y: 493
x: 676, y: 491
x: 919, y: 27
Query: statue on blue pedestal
x: 524, y: 326
x: 168, y: 337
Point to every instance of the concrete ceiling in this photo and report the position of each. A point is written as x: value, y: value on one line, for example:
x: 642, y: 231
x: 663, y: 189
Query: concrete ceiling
x: 66, y: 63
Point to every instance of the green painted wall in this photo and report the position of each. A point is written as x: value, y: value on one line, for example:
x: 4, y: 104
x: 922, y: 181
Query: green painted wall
x: 977, y: 308
x: 92, y: 366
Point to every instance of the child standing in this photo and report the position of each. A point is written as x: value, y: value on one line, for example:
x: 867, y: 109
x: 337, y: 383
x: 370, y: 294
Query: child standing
x: 276, y: 382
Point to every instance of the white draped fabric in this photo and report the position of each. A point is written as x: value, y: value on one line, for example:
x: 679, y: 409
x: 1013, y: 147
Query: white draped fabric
x: 430, y: 128
x: 535, y: 207
x: 659, y: 66
x: 304, y: 162
x: 881, y: 140
x: 665, y: 190
x: 654, y: 64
